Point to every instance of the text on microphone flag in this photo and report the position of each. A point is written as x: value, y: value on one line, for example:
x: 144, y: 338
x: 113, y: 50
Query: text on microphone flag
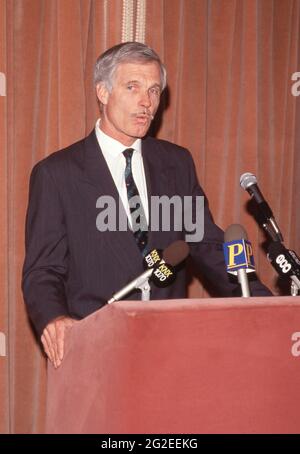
x: 238, y: 255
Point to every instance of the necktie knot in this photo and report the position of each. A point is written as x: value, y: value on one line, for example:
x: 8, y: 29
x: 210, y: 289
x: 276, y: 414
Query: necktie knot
x: 128, y: 154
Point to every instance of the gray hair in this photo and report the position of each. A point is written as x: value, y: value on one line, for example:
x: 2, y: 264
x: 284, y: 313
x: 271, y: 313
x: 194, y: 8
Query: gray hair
x: 108, y: 62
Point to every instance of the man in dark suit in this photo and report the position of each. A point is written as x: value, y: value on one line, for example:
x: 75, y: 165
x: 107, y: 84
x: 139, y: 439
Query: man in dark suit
x: 72, y: 267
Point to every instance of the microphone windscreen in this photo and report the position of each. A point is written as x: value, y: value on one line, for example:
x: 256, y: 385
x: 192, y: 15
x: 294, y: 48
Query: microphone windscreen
x: 235, y: 232
x: 247, y: 179
x: 176, y: 252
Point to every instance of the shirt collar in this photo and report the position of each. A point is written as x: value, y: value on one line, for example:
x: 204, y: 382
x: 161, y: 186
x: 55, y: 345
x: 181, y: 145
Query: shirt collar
x: 112, y: 146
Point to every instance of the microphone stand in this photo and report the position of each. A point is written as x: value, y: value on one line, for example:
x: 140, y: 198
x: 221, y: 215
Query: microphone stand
x: 145, y: 289
x: 294, y: 289
x: 243, y: 280
x: 295, y: 286
x: 272, y: 231
x: 141, y: 283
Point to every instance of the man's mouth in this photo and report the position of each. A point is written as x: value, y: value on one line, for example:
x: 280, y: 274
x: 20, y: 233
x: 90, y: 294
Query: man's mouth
x: 143, y: 116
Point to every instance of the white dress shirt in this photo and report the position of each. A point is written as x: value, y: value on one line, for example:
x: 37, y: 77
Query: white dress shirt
x: 113, y: 154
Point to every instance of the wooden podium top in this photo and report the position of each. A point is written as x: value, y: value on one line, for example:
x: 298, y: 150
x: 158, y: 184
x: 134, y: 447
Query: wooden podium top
x: 181, y: 366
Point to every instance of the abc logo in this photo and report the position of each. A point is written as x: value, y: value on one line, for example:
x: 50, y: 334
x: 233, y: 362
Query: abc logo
x: 283, y: 263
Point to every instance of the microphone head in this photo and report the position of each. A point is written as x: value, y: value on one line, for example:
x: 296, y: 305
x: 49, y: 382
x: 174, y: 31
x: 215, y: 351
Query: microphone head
x: 247, y: 179
x: 235, y: 232
x: 176, y: 252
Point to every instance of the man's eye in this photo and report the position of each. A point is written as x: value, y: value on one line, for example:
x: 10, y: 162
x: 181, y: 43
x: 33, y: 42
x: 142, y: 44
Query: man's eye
x: 130, y: 87
x: 155, y: 91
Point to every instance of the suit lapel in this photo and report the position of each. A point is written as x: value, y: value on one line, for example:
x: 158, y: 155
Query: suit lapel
x: 97, y: 175
x: 158, y: 181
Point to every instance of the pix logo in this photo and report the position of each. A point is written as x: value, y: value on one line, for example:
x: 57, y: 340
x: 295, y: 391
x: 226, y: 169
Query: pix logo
x: 238, y: 255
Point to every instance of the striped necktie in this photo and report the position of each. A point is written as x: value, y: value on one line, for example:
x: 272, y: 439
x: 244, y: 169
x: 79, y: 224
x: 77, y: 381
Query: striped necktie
x: 139, y: 222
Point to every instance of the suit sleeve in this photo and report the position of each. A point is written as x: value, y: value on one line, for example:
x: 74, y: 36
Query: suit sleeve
x: 46, y: 260
x: 207, y: 254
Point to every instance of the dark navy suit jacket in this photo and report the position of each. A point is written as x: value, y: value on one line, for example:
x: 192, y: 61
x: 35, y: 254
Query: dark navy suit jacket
x: 71, y: 268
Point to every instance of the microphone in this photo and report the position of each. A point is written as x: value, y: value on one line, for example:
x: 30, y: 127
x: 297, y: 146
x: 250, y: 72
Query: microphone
x: 248, y: 182
x: 161, y: 268
x: 164, y: 273
x: 285, y: 262
x: 239, y: 255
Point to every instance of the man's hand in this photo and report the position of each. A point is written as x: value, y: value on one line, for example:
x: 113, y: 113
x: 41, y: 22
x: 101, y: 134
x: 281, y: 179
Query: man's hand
x: 53, y: 338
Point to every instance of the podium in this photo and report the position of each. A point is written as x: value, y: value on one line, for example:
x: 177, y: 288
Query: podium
x: 185, y: 366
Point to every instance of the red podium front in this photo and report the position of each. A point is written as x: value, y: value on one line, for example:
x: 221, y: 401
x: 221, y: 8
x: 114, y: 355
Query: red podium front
x: 185, y: 366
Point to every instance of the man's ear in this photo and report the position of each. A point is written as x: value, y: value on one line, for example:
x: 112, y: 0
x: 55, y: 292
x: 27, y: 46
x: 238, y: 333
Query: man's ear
x: 102, y: 93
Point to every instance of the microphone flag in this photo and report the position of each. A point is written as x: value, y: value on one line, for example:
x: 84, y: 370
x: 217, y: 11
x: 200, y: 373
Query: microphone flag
x: 238, y: 255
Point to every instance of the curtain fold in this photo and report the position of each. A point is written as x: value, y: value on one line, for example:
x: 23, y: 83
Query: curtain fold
x: 50, y: 49
x: 229, y: 102
x: 230, y: 65
x: 4, y: 377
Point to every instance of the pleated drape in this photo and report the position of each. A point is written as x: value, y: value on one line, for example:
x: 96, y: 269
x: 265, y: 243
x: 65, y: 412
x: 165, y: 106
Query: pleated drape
x: 230, y: 65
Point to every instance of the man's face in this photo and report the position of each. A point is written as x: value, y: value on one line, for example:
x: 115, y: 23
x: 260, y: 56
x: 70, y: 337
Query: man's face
x: 128, y: 109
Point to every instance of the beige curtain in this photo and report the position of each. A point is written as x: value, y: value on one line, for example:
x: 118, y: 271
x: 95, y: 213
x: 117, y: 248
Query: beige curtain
x: 230, y: 64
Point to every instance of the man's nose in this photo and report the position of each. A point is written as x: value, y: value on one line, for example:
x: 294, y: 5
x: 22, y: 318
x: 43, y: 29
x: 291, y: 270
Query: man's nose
x: 145, y: 100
